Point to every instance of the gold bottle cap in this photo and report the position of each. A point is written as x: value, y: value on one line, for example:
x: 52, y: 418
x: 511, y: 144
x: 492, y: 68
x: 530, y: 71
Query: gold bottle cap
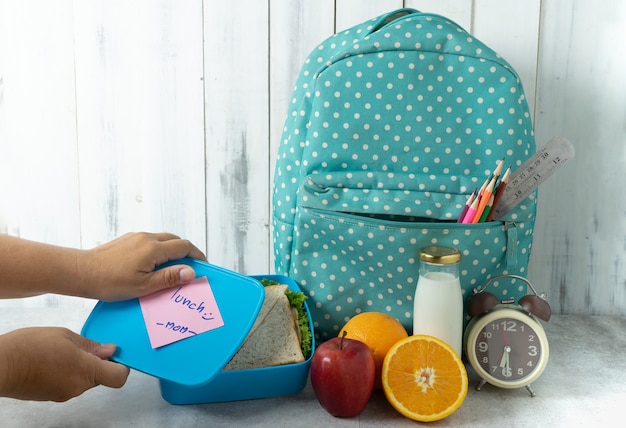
x: 440, y: 255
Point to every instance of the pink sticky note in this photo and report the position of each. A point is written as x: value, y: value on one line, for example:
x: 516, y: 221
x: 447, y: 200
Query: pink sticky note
x: 181, y: 312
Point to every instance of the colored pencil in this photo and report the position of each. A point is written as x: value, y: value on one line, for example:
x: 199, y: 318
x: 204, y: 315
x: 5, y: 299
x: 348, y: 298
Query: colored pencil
x: 483, y: 187
x: 487, y: 210
x: 499, y: 192
x: 471, y: 211
x: 470, y: 199
x: 484, y: 199
x: 498, y: 170
x: 476, y: 201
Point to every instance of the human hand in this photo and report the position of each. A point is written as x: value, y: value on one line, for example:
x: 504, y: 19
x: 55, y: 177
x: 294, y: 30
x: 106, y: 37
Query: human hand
x: 55, y: 364
x: 124, y: 268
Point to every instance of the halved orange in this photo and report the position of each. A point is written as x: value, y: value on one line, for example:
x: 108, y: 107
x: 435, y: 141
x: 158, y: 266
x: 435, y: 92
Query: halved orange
x: 424, y: 378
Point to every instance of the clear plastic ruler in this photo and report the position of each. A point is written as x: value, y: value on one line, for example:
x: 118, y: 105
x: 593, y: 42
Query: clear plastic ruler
x: 525, y: 179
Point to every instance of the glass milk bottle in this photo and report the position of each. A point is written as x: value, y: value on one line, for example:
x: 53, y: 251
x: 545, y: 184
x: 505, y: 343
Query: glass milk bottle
x: 438, y: 305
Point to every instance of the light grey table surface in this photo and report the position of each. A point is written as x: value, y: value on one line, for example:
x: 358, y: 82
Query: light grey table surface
x: 584, y: 385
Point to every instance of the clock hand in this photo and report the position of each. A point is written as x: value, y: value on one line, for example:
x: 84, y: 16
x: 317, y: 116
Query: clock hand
x: 508, y: 355
x: 504, y: 361
x: 506, y: 339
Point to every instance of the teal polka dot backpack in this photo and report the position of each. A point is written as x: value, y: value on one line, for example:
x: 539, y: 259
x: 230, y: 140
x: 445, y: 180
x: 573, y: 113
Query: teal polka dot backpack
x: 393, y: 124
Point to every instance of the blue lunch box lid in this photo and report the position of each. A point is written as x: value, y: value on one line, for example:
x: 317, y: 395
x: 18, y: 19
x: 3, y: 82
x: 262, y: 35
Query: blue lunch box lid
x: 192, y: 361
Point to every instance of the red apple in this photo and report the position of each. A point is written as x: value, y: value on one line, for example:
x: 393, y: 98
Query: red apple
x: 342, y: 375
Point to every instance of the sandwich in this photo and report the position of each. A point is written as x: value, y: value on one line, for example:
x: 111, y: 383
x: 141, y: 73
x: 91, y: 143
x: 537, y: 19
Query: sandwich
x: 280, y: 334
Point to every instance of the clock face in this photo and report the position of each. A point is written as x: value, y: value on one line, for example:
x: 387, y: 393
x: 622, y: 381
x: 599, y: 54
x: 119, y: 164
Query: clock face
x: 508, y: 349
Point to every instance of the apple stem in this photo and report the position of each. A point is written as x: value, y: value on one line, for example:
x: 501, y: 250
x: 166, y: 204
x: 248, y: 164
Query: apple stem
x: 345, y: 333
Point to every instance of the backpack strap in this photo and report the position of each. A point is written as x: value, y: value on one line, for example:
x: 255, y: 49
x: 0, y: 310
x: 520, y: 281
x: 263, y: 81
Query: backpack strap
x: 390, y: 17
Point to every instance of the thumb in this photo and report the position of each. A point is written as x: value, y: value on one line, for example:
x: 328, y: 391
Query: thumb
x: 105, y: 372
x: 172, y: 276
x: 110, y: 374
x: 100, y: 350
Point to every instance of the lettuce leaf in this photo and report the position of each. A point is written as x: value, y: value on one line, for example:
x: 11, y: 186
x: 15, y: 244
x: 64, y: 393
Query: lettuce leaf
x: 296, y: 300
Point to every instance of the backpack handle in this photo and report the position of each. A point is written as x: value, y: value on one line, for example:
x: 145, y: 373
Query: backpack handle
x: 390, y: 17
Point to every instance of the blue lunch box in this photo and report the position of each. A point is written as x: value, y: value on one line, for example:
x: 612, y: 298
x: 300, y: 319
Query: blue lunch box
x: 190, y: 370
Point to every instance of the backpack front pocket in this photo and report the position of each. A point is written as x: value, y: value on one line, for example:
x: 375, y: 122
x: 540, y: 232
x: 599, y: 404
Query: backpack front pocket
x: 354, y: 261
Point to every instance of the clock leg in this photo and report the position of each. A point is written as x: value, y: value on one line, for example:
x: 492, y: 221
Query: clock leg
x: 530, y: 390
x: 480, y: 384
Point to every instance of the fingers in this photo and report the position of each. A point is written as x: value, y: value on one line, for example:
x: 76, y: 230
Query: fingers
x: 171, y: 246
x: 107, y: 373
x: 104, y: 350
x: 110, y: 374
x: 125, y: 268
x: 100, y: 350
x: 171, y: 276
x: 164, y: 236
x: 177, y: 248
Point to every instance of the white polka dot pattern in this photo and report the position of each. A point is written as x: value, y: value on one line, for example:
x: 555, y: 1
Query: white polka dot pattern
x: 390, y: 128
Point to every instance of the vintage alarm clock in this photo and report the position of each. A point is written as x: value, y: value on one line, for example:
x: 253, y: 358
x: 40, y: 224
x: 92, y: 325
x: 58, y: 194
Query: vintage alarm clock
x: 504, y: 342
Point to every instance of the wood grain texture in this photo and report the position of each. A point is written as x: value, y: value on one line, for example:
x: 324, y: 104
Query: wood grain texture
x: 579, y: 252
x: 298, y: 28
x: 237, y: 134
x: 167, y: 115
x: 38, y: 163
x: 511, y: 28
x: 460, y: 11
x: 39, y: 193
x: 139, y: 92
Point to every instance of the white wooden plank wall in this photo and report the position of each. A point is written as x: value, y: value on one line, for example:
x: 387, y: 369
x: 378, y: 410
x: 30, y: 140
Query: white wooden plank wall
x: 166, y: 115
x: 580, y: 247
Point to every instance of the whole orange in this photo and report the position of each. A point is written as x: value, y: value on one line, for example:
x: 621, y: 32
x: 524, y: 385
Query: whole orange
x: 379, y: 331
